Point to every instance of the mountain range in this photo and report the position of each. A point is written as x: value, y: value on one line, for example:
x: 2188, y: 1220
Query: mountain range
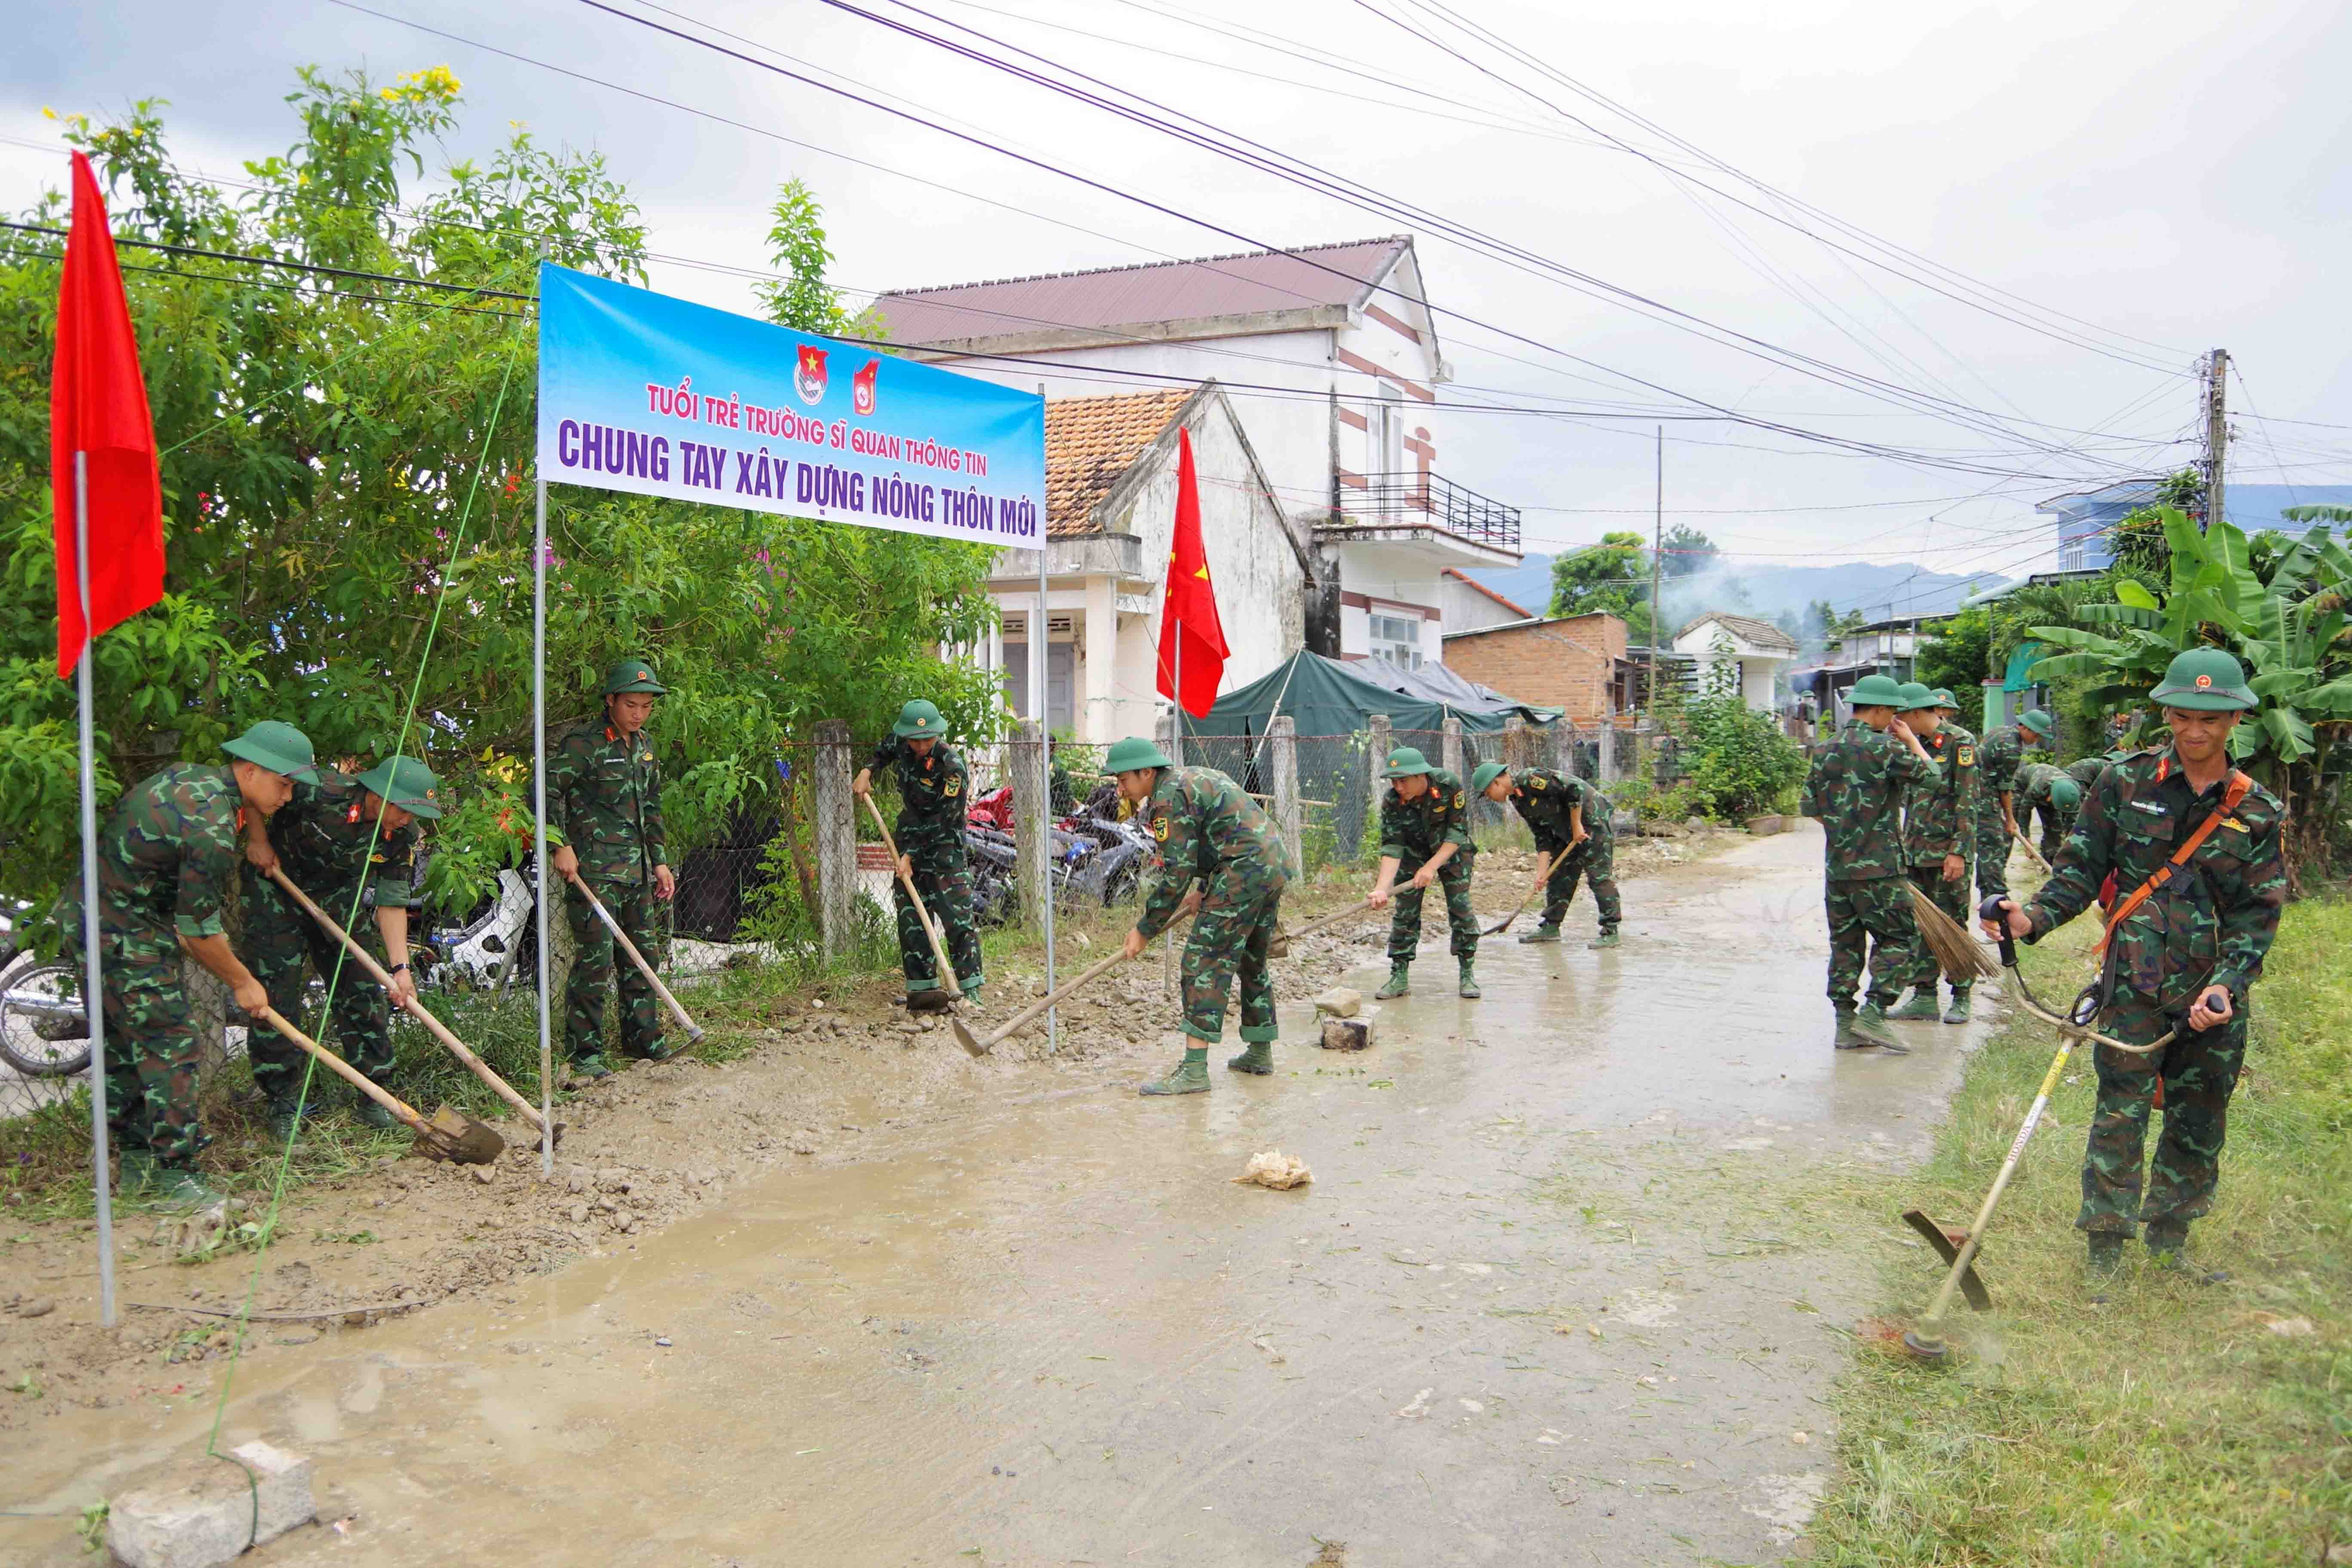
x: 1878, y: 589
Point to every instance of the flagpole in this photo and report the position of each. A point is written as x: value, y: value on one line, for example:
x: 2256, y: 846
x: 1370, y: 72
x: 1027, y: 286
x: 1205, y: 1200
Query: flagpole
x: 538, y: 822
x: 1040, y: 644
x: 94, y: 997
x: 1176, y: 755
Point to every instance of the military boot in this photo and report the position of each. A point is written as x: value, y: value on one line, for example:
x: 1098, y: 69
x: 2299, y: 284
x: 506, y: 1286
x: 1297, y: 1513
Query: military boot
x: 1922, y: 1007
x: 371, y: 1114
x: 1958, y: 1013
x: 2107, y: 1256
x: 178, y: 1187
x: 971, y: 991
x: 590, y: 1067
x: 2167, y: 1248
x: 1257, y: 1057
x: 659, y: 1051
x: 1399, y: 979
x: 1608, y: 938
x: 135, y: 1173
x: 1190, y: 1076
x: 1542, y: 933
x: 1469, y: 986
x: 1870, y: 1025
x: 287, y: 1114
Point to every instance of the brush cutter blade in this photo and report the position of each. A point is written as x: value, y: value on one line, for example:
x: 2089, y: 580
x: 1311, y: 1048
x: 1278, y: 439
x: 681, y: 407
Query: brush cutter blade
x: 1948, y: 1245
x: 1924, y: 1349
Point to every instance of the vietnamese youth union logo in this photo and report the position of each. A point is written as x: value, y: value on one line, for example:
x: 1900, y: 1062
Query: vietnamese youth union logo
x: 861, y: 387
x: 809, y: 379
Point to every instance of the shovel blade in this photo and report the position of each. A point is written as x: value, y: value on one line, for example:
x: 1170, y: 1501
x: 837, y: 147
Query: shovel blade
x: 965, y: 1039
x: 462, y: 1139
x: 1980, y: 1300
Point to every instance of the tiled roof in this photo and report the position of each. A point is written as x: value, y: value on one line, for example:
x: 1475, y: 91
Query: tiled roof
x: 1308, y: 276
x: 1089, y: 443
x: 1763, y: 633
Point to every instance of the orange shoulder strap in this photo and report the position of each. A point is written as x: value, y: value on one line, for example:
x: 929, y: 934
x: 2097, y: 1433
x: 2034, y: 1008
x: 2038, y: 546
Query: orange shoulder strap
x: 2233, y: 793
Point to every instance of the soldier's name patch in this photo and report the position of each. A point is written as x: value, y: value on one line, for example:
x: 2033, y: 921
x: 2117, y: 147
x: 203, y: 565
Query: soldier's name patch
x: 2148, y: 806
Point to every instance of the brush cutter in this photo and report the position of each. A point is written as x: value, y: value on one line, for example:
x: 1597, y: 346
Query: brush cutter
x: 1958, y: 1248
x: 693, y: 1029
x: 450, y: 1135
x: 939, y: 948
x: 1543, y: 874
x: 415, y: 1009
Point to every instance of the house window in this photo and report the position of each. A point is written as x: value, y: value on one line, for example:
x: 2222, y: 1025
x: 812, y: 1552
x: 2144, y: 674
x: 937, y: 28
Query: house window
x: 1397, y: 638
x: 1061, y: 670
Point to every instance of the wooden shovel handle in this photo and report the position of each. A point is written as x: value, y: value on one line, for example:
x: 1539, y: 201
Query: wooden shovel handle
x: 415, y: 1009
x: 939, y: 948
x: 2030, y: 850
x: 685, y: 1020
x: 1328, y: 921
x: 1054, y: 997
x: 359, y: 1080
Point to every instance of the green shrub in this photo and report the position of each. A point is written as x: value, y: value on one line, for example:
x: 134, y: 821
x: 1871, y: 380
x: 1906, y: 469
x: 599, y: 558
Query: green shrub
x: 1739, y: 763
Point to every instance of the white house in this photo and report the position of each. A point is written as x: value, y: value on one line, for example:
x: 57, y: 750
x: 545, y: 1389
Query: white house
x: 1331, y: 358
x: 1110, y: 505
x: 1739, y: 650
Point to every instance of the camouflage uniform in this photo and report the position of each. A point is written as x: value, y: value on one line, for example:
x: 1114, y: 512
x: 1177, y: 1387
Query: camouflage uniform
x: 2033, y: 782
x: 2210, y: 924
x: 1998, y: 757
x: 1412, y: 831
x: 1939, y: 819
x: 934, y: 793
x: 1856, y: 789
x: 603, y: 792
x: 1544, y: 798
x: 331, y: 850
x: 1207, y: 827
x: 164, y: 859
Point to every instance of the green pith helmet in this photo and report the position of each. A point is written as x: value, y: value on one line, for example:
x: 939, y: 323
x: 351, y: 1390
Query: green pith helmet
x: 2065, y: 794
x: 633, y: 675
x: 1875, y: 691
x: 1125, y: 756
x: 917, y: 719
x: 2204, y: 679
x: 2035, y: 720
x: 1484, y: 774
x: 1406, y: 761
x: 1915, y: 697
x: 280, y: 748
x: 1944, y: 699
x: 405, y: 782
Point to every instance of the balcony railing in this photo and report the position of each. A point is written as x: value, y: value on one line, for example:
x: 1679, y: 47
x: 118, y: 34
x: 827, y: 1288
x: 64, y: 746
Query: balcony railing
x: 1410, y: 501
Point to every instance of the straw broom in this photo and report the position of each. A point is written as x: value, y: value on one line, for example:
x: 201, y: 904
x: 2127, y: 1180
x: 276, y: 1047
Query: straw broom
x: 1960, y: 956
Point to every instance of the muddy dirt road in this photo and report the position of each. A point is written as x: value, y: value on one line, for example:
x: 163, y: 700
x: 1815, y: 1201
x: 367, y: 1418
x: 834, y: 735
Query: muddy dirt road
x: 1542, y: 1303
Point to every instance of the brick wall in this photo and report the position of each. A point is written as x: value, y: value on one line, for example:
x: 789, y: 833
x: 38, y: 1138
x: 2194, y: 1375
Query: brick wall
x: 1558, y: 664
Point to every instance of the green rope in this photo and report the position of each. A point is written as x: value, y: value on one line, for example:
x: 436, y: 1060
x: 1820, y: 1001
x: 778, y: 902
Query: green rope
x: 310, y: 1063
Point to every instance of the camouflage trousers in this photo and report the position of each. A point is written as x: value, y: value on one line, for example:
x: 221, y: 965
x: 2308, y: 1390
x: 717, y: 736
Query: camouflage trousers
x: 150, y: 1046
x: 1992, y: 853
x: 1405, y: 925
x: 643, y: 917
x: 281, y: 945
x: 945, y: 882
x: 1595, y: 861
x: 2200, y: 1071
x: 1952, y: 898
x: 1230, y: 936
x: 1870, y: 917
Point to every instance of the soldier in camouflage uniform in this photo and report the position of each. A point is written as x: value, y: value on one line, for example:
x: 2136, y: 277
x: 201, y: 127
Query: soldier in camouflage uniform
x: 1425, y: 835
x: 1208, y: 829
x: 934, y: 794
x: 1998, y: 758
x: 2051, y: 795
x: 1856, y: 791
x: 2086, y: 771
x: 1570, y: 821
x: 1939, y: 830
x: 164, y: 859
x: 338, y: 836
x: 603, y: 794
x: 2182, y: 956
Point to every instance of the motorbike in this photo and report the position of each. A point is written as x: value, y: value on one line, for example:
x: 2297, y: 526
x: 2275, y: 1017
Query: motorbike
x: 1096, y: 857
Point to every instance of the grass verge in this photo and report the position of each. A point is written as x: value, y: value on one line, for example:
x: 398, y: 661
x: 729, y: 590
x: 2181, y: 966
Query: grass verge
x: 2176, y: 1423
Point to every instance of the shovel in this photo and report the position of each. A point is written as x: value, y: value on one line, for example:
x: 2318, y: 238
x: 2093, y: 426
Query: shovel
x: 450, y: 1135
x: 1058, y: 995
x: 1542, y: 875
x: 1959, y: 1248
x: 939, y: 948
x: 693, y: 1029
x: 415, y: 1009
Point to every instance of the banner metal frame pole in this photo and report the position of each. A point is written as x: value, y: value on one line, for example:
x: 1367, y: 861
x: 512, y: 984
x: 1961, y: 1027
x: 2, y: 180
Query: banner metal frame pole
x: 1043, y: 645
x: 539, y: 821
x: 93, y: 997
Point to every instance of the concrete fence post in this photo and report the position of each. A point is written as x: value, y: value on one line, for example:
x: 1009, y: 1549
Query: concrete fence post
x: 1517, y: 753
x: 1282, y: 757
x: 834, y: 827
x: 1025, y: 764
x: 1449, y: 748
x: 1605, y: 764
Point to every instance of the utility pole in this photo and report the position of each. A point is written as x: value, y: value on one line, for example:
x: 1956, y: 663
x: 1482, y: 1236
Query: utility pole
x: 1657, y: 556
x: 2217, y: 434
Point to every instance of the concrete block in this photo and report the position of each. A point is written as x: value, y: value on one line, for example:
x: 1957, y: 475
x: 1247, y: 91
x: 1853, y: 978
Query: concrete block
x: 1345, y: 1033
x: 1340, y: 1003
x: 1763, y: 825
x: 201, y: 1511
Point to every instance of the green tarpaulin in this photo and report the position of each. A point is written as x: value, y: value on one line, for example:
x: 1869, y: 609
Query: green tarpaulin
x: 1327, y: 696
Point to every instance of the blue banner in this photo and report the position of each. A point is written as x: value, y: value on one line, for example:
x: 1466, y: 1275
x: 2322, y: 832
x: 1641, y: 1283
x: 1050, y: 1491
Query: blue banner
x: 643, y: 392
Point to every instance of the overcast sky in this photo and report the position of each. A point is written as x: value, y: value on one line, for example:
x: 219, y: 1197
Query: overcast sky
x: 2156, y: 179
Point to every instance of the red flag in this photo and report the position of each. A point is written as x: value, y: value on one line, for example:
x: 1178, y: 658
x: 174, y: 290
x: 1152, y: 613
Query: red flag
x: 97, y: 406
x: 1188, y: 615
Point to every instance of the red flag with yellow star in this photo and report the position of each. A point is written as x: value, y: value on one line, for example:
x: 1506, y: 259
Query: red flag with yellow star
x: 1191, y: 639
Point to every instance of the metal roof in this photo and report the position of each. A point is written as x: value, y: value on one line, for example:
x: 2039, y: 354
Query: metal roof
x: 1255, y: 282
